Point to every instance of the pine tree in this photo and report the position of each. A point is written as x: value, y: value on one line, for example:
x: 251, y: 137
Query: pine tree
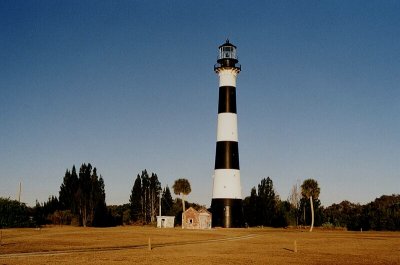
x: 144, y: 199
x: 155, y: 189
x: 84, y: 193
x: 145, y: 196
x: 67, y: 191
x: 89, y: 196
x: 135, y: 200
x: 166, y: 202
x: 266, y: 202
x: 98, y: 208
x: 251, y: 208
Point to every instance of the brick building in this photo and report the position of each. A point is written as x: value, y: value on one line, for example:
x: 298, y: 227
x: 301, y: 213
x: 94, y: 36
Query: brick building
x: 193, y: 219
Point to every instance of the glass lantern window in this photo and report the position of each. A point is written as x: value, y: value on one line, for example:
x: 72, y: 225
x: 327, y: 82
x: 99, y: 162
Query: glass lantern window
x: 227, y: 52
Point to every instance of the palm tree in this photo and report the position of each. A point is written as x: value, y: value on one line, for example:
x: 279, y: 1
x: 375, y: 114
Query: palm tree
x: 182, y: 187
x: 310, y: 190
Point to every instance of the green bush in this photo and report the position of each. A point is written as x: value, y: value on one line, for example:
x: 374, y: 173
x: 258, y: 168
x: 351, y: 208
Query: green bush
x: 328, y: 225
x: 14, y: 214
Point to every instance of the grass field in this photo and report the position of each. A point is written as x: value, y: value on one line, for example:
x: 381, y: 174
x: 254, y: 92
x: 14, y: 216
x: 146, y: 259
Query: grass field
x: 130, y: 245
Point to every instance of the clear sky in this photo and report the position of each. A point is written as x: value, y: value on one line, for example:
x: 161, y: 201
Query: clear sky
x: 129, y: 85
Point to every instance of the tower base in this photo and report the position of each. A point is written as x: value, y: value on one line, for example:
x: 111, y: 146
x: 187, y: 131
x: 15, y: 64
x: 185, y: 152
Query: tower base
x: 227, y: 213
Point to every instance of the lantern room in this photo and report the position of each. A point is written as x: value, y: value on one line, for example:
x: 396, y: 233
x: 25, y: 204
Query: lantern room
x: 227, y: 51
x: 227, y: 57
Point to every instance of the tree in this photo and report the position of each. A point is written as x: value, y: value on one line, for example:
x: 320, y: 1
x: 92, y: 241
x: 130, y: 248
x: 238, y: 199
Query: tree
x: 68, y: 189
x: 294, y: 200
x: 266, y: 202
x: 310, y: 190
x: 42, y: 212
x: 135, y: 200
x: 155, y: 189
x: 98, y: 208
x: 84, y: 195
x: 381, y: 214
x: 166, y: 201
x: 13, y: 214
x: 145, y: 196
x: 182, y: 187
x: 281, y: 218
x: 250, y: 208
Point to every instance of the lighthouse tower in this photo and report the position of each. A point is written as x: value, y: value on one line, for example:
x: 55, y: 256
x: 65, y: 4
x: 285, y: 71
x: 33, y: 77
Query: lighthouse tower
x: 226, y: 204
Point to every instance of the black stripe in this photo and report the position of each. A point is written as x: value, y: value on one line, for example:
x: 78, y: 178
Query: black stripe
x: 227, y: 155
x: 227, y: 99
x: 227, y: 212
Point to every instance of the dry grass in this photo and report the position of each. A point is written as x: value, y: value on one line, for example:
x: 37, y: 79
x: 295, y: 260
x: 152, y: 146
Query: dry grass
x: 129, y: 245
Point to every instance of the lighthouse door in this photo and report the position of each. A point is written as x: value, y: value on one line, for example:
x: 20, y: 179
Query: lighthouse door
x: 227, y: 219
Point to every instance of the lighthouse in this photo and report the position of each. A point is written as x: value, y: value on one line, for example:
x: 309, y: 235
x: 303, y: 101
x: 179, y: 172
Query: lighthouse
x: 226, y: 204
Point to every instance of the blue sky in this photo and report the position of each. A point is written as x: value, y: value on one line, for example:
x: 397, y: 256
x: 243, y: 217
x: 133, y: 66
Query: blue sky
x: 129, y: 85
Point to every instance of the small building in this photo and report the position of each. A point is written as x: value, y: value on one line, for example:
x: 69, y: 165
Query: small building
x: 165, y: 221
x: 193, y: 219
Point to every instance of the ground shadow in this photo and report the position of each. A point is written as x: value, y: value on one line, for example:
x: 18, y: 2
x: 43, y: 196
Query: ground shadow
x: 291, y: 250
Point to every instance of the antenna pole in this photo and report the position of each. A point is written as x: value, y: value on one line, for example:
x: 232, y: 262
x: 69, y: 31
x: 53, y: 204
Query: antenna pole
x: 159, y: 212
x: 19, y: 193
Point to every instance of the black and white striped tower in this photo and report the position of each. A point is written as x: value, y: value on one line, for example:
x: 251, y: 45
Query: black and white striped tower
x: 226, y: 204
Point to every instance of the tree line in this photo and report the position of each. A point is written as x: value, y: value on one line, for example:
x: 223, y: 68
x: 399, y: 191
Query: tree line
x: 265, y: 208
x: 81, y: 202
x: 381, y: 214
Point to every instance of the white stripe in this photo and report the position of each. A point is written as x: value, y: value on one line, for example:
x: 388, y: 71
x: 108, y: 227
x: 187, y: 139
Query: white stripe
x: 227, y: 77
x: 227, y: 127
x: 227, y: 184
